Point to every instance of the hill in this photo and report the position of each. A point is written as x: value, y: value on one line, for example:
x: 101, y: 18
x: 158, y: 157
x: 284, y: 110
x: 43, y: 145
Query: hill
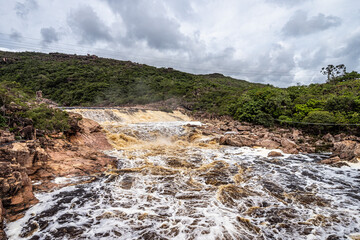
x: 73, y: 80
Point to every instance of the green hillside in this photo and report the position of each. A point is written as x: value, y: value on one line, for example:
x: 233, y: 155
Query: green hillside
x: 21, y: 113
x: 73, y: 80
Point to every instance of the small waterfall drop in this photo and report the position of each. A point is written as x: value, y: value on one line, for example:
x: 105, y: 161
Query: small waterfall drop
x: 174, y: 183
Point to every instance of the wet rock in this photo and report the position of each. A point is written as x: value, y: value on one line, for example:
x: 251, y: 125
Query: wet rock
x: 275, y: 154
x: 228, y: 194
x: 331, y: 160
x: 216, y: 173
x: 247, y: 223
x: 267, y: 143
x: 238, y: 141
x: 127, y: 182
x: 346, y: 150
x: 289, y: 146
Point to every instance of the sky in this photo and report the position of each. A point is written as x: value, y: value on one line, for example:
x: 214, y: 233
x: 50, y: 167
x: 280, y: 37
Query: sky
x: 278, y: 42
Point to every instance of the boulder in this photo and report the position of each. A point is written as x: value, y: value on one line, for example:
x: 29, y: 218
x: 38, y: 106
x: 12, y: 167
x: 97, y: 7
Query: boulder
x: 288, y: 144
x: 346, y: 150
x: 275, y: 154
x: 296, y: 134
x: 267, y: 143
x: 2, y: 215
x: 331, y: 160
x: 238, y: 141
x: 328, y: 138
x: 243, y: 128
x: 6, y: 137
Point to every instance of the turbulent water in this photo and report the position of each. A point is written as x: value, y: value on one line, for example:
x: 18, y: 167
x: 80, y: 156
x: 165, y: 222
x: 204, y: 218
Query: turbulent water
x: 173, y: 183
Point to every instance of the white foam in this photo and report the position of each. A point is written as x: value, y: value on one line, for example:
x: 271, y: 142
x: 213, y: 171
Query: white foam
x: 143, y: 204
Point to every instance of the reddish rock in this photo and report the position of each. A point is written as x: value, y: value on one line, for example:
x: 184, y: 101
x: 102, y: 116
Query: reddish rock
x: 346, y: 150
x: 238, y: 141
x: 296, y: 134
x: 267, y: 143
x: 331, y: 160
x: 2, y: 215
x: 46, y: 158
x: 6, y: 137
x: 15, y: 188
x: 90, y: 135
x: 328, y: 138
x: 288, y: 144
x: 243, y: 128
x: 275, y: 154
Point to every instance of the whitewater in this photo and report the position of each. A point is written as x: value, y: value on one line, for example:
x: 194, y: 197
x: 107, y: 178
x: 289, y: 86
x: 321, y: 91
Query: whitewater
x: 172, y: 182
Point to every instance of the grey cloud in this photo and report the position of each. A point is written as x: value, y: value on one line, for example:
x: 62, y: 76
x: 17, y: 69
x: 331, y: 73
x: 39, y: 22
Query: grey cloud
x: 275, y: 66
x: 311, y: 59
x: 86, y: 23
x: 182, y: 8
x: 49, y: 35
x: 287, y: 3
x: 299, y: 24
x: 15, y: 35
x: 350, y: 53
x: 147, y: 21
x: 23, y: 8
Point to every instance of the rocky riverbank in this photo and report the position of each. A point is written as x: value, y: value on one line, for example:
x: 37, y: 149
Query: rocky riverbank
x: 40, y: 160
x: 344, y: 149
x: 33, y: 165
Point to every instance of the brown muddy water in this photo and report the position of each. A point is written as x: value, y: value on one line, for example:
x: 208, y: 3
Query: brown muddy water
x: 174, y: 183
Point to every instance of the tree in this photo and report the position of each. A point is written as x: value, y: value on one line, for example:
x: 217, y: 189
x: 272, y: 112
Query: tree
x: 332, y: 72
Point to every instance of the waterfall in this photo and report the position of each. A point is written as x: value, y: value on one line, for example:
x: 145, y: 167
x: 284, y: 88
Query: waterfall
x: 174, y: 183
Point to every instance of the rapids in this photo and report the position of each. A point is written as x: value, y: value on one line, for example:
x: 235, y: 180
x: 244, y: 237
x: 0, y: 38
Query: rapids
x: 174, y: 183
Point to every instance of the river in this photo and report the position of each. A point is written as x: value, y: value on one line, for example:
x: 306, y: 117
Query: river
x: 174, y: 183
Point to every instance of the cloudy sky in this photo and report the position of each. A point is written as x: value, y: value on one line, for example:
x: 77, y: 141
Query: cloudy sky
x: 280, y: 42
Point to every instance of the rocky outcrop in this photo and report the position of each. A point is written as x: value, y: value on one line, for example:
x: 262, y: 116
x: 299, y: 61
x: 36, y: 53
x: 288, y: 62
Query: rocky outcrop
x: 75, y: 153
x: 78, y: 154
x: 6, y: 137
x: 347, y: 150
x: 15, y: 185
x: 238, y: 134
x: 2, y: 219
x: 292, y: 141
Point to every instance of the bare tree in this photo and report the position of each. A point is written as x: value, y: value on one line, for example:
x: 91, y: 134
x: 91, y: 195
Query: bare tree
x: 332, y: 72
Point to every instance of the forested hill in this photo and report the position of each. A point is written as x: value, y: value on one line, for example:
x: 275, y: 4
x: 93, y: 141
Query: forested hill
x: 73, y: 80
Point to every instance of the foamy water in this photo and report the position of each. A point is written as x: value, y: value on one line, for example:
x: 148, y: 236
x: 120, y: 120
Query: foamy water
x: 172, y: 185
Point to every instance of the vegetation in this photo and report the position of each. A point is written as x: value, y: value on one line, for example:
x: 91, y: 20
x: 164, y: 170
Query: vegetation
x: 73, y: 80
x: 19, y: 110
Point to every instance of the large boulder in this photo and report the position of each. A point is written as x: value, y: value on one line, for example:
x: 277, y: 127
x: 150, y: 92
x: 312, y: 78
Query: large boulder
x: 347, y: 150
x: 328, y: 138
x: 267, y: 143
x: 289, y: 146
x: 275, y: 154
x: 238, y: 141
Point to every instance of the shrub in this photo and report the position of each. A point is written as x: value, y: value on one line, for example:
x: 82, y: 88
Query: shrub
x: 320, y: 117
x: 48, y: 119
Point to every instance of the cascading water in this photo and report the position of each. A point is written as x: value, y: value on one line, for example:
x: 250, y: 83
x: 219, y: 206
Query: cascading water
x: 172, y: 183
